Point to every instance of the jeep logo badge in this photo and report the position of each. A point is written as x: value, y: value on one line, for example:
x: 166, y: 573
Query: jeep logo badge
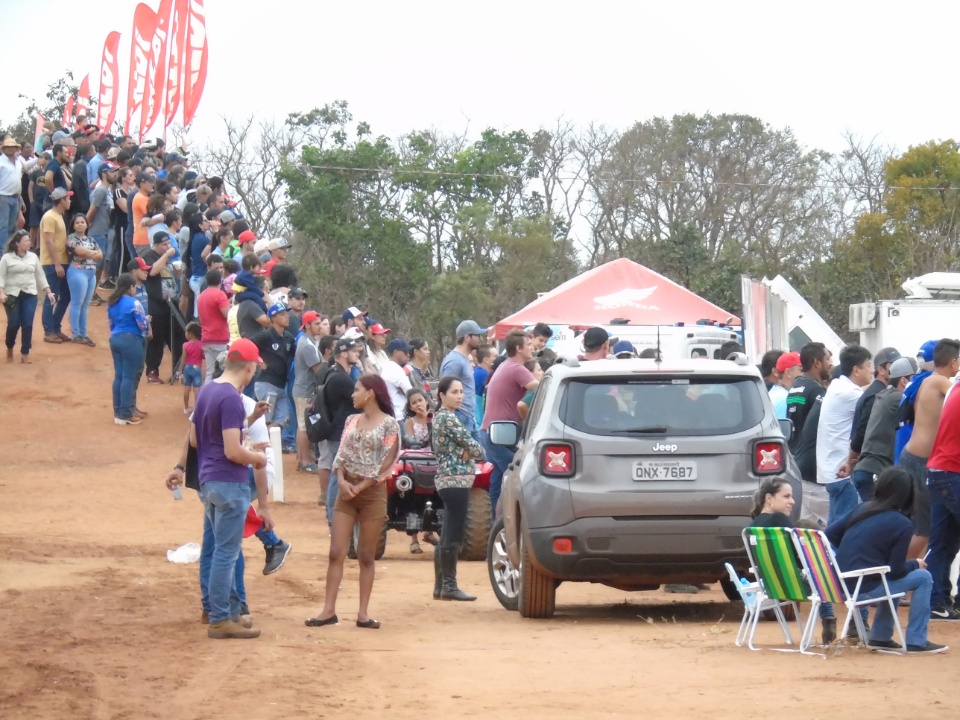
x: 660, y: 447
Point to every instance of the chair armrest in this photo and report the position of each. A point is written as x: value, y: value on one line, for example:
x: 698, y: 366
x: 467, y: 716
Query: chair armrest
x: 879, y: 570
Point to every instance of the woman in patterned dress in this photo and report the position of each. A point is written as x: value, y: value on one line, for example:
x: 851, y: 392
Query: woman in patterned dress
x: 456, y: 451
x: 368, y: 450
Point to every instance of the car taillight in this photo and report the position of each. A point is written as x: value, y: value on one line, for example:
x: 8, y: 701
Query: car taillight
x: 557, y: 460
x: 768, y: 458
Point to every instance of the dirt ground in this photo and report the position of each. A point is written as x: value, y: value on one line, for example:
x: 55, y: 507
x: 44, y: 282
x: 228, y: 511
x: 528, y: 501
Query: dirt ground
x: 98, y: 624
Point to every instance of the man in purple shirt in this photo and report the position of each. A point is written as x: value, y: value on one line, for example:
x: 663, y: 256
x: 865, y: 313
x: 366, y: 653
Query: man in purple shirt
x: 216, y: 431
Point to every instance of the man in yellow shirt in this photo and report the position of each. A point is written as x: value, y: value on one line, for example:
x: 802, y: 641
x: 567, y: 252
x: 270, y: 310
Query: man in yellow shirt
x: 53, y: 258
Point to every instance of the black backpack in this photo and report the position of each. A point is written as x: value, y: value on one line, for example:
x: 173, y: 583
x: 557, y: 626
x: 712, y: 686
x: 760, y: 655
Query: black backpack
x: 317, y: 418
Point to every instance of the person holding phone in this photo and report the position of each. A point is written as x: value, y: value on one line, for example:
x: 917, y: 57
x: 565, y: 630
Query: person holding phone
x: 276, y: 346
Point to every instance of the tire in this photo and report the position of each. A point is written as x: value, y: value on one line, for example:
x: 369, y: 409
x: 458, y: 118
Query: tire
x: 504, y: 577
x: 476, y: 531
x: 537, y: 592
x: 355, y: 540
x: 730, y: 590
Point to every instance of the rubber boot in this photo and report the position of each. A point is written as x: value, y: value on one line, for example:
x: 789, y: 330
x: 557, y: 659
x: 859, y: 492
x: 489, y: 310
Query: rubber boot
x: 829, y: 626
x: 436, y: 573
x: 448, y: 570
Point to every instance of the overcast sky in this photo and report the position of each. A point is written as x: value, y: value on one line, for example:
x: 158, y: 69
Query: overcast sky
x: 820, y: 68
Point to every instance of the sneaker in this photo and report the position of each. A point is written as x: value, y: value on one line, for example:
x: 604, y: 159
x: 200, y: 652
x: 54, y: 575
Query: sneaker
x: 87, y: 341
x: 154, y: 378
x: 126, y: 421
x: 229, y: 629
x: 931, y: 648
x: 308, y: 468
x: 944, y: 613
x: 288, y: 450
x: 885, y: 646
x: 276, y: 556
x: 77, y: 340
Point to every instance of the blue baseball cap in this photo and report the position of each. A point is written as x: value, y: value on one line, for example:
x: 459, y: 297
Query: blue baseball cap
x: 624, y: 347
x: 399, y: 344
x: 276, y: 309
x: 926, y: 350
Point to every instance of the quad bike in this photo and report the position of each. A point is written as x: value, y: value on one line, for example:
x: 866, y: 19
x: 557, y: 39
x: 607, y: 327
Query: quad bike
x: 414, y: 505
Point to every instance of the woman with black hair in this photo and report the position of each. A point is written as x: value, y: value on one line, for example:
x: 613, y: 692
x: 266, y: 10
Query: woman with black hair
x: 195, y: 257
x: 21, y: 280
x: 456, y: 451
x: 128, y: 327
x: 368, y: 449
x: 878, y: 533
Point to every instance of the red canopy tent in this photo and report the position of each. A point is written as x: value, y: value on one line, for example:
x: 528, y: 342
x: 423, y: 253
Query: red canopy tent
x: 618, y: 289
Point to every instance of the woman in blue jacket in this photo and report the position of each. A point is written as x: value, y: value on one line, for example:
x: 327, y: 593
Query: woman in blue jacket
x: 878, y: 533
x: 128, y: 327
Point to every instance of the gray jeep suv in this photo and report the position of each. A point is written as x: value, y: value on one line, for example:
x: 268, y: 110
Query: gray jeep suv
x: 632, y: 473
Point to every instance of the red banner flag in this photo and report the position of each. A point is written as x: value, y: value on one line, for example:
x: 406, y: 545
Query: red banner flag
x: 109, y: 74
x: 195, y: 61
x: 144, y: 26
x: 156, y: 69
x: 175, y: 58
x: 67, y: 120
x: 83, y: 96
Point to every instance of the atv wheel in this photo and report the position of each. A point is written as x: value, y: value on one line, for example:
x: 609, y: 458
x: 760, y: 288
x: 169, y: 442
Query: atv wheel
x: 355, y: 541
x: 504, y: 577
x: 476, y: 531
x: 537, y: 593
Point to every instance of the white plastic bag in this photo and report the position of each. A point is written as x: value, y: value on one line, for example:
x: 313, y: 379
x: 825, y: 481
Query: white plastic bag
x: 189, y: 553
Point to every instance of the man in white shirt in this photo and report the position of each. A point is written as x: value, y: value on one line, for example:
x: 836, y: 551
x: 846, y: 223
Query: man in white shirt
x: 12, y: 167
x: 836, y: 423
x: 394, y: 375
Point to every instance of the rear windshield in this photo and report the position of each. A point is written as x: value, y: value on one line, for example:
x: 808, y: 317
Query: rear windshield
x: 662, y: 406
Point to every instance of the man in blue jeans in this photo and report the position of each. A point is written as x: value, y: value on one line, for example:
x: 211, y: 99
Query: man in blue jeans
x: 216, y: 431
x: 53, y: 259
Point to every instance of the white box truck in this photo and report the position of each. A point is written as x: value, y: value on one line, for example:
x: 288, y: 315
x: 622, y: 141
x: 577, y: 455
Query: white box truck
x: 930, y: 311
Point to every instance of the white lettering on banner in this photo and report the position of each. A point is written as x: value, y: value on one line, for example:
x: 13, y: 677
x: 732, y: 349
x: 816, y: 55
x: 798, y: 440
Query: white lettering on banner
x: 156, y: 51
x: 628, y: 297
x: 198, y: 38
x: 108, y: 88
x: 141, y: 47
x: 173, y: 67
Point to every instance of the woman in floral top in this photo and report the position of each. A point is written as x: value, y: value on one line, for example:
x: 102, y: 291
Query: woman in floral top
x: 456, y: 451
x: 84, y: 254
x: 368, y: 449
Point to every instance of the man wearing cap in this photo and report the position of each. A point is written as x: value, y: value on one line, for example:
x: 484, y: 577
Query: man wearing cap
x: 216, y: 429
x: 160, y: 288
x: 296, y: 302
x: 622, y: 350
x: 788, y: 369
x: 278, y: 249
x: 596, y: 344
x: 876, y: 453
x: 100, y: 214
x: 212, y: 309
x: 244, y: 242
x: 393, y: 374
x: 927, y: 407
x: 12, y: 168
x: 339, y: 395
x: 276, y: 348
x: 906, y: 413
x: 506, y: 388
x: 353, y: 317
x: 457, y: 363
x: 306, y: 363
x: 53, y: 258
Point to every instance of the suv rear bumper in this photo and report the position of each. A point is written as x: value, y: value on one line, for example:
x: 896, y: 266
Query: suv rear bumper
x: 641, y: 551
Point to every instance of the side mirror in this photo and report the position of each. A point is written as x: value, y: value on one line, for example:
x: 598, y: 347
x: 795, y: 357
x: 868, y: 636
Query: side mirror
x: 503, y: 432
x: 786, y: 427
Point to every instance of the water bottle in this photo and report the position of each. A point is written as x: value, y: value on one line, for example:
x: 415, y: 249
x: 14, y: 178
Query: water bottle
x: 177, y: 492
x: 749, y: 597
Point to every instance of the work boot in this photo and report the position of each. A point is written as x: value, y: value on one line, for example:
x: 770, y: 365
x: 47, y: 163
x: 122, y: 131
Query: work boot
x: 829, y: 630
x: 448, y: 579
x: 228, y: 629
x: 437, y: 575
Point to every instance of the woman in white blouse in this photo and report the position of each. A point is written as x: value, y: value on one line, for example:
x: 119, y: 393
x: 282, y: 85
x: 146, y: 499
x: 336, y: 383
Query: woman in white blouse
x: 21, y: 280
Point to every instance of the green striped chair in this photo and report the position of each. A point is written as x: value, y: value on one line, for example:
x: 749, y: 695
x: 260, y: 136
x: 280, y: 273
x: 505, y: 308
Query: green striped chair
x: 827, y: 584
x: 774, y: 563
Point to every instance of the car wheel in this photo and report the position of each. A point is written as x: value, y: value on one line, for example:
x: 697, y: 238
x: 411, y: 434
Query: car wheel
x: 504, y: 577
x: 730, y: 590
x: 476, y: 531
x: 537, y: 592
x: 355, y: 542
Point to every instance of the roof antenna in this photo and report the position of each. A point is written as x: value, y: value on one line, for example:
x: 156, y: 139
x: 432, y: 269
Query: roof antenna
x: 659, y: 358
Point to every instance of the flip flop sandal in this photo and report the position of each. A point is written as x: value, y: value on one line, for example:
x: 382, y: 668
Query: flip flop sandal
x: 370, y: 624
x: 317, y: 622
x: 416, y: 549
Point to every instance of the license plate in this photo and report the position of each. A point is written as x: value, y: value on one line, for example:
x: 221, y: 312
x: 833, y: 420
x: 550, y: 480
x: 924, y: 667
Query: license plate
x: 664, y: 470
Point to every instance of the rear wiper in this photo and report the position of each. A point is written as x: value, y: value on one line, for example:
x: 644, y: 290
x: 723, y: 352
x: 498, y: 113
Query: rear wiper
x: 652, y: 429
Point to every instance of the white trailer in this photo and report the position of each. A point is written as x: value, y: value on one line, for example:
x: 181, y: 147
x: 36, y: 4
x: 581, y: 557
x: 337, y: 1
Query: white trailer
x: 930, y: 311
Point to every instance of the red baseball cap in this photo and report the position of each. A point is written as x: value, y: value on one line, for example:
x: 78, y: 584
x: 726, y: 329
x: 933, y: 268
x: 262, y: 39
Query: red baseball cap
x: 378, y: 329
x: 309, y: 316
x: 787, y: 361
x: 245, y: 237
x: 243, y: 350
x: 138, y: 264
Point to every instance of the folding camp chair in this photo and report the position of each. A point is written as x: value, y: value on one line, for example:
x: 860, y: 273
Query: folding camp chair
x: 779, y: 578
x: 827, y: 582
x: 751, y: 604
